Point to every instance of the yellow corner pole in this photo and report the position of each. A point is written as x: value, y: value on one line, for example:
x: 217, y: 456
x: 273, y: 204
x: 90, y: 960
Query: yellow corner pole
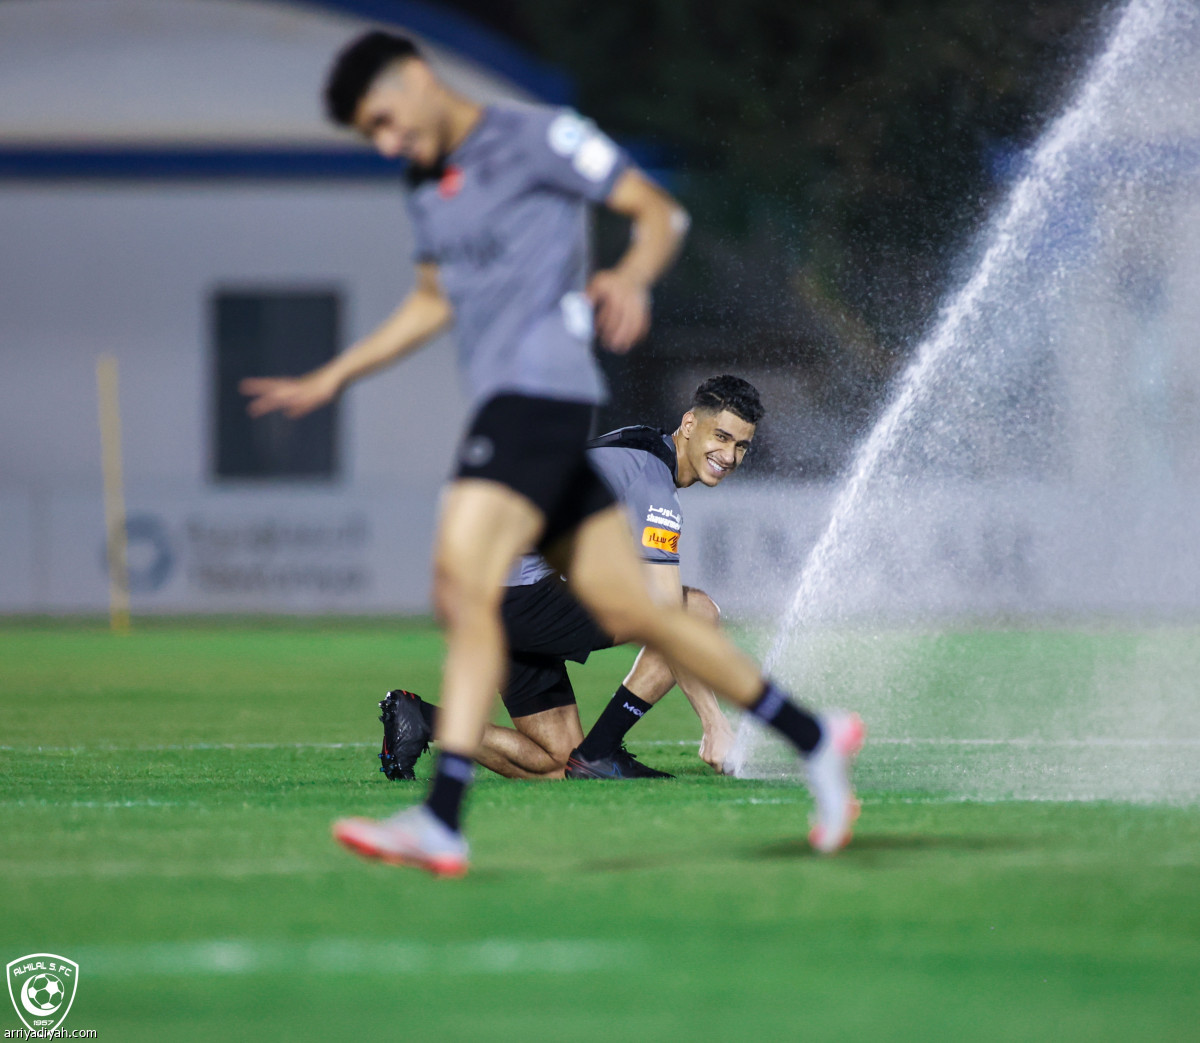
x: 114, y: 493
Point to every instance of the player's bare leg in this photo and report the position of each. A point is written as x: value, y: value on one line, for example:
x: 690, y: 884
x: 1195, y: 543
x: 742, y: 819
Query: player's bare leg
x: 602, y: 753
x: 536, y: 747
x: 604, y: 573
x: 484, y: 527
x: 651, y: 676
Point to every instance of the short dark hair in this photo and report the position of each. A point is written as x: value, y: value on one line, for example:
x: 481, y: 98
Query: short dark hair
x: 739, y: 396
x: 356, y: 68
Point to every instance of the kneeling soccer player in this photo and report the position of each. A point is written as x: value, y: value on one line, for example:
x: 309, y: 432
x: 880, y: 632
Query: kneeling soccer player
x: 545, y: 626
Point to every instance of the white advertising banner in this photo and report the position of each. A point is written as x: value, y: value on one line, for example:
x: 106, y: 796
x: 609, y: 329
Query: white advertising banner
x: 954, y: 550
x: 934, y: 551
x: 228, y: 551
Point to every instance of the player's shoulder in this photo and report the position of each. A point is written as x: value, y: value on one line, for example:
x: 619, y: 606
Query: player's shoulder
x: 648, y: 447
x: 524, y: 117
x: 635, y: 436
x: 560, y: 129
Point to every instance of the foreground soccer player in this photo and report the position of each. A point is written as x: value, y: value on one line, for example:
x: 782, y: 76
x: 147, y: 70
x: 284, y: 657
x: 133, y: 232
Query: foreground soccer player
x: 498, y: 204
x: 545, y: 626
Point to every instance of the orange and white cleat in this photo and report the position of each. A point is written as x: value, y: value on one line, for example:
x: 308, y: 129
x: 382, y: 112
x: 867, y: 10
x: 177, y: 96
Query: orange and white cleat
x: 413, y: 837
x: 828, y: 768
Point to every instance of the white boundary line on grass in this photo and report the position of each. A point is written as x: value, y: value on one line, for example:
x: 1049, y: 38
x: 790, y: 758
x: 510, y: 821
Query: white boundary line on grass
x: 1021, y: 741
x: 43, y: 803
x: 189, y: 746
x: 201, y: 746
x: 163, y: 869
x: 1135, y: 744
x: 1028, y: 741
x: 340, y: 956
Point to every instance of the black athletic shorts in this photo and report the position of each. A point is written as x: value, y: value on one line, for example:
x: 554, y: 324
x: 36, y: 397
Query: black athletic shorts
x: 545, y: 626
x: 536, y: 446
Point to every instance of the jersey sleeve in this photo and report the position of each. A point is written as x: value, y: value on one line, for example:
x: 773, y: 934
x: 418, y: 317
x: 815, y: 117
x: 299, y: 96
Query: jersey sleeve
x: 646, y: 489
x: 571, y: 154
x: 528, y: 570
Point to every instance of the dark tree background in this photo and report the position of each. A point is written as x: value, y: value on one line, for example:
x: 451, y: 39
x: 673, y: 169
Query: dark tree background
x: 836, y: 158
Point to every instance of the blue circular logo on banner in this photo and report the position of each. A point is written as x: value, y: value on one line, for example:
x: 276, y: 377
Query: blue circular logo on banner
x: 149, y: 558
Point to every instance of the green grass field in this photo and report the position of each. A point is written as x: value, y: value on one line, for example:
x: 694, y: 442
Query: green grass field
x: 166, y: 801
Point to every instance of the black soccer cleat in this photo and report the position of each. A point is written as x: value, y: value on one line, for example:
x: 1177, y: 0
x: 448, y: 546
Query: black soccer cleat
x: 405, y: 734
x: 620, y: 764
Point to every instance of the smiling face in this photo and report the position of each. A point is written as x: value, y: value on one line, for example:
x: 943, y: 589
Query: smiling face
x: 710, y: 446
x: 403, y: 113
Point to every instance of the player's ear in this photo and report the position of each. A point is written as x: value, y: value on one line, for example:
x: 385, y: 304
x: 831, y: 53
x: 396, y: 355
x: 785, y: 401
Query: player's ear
x: 687, y: 423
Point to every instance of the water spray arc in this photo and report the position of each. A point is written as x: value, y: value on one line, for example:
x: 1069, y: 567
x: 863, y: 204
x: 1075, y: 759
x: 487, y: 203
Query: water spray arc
x: 1020, y: 270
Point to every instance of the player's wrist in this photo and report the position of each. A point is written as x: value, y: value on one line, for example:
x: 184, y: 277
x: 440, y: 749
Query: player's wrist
x: 331, y: 375
x: 334, y: 376
x: 636, y: 277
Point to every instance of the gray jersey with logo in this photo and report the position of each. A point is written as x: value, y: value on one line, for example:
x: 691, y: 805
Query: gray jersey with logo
x: 504, y: 219
x: 645, y: 485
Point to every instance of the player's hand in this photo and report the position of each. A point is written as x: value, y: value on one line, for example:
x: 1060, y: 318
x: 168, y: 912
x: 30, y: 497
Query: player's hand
x: 622, y: 310
x: 716, y: 744
x: 292, y: 396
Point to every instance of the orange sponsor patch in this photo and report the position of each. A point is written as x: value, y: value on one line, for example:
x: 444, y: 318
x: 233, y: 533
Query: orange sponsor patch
x: 660, y: 539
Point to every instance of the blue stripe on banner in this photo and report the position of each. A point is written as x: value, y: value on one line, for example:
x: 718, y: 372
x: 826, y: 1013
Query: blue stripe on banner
x: 201, y: 163
x: 196, y: 162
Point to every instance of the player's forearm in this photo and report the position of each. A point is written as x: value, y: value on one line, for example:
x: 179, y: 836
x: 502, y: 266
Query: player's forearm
x: 655, y: 240
x: 659, y: 226
x: 703, y: 700
x: 419, y: 317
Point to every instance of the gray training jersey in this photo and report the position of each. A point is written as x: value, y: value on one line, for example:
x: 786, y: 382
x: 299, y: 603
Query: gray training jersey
x: 645, y: 485
x: 505, y: 221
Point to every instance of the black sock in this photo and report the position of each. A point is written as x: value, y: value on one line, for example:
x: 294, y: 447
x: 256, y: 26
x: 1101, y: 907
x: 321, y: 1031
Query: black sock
x: 798, y: 726
x: 428, y: 712
x: 451, y: 778
x: 623, y: 711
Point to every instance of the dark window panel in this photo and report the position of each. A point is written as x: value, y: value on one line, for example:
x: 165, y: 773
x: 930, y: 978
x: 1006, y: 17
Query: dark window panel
x: 273, y: 333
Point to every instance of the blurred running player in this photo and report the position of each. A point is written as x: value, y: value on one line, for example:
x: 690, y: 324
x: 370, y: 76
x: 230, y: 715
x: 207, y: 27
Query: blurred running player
x: 545, y: 626
x: 498, y: 209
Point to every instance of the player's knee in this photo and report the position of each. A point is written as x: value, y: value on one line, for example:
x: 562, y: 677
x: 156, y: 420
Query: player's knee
x: 557, y: 755
x: 458, y: 591
x: 699, y: 604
